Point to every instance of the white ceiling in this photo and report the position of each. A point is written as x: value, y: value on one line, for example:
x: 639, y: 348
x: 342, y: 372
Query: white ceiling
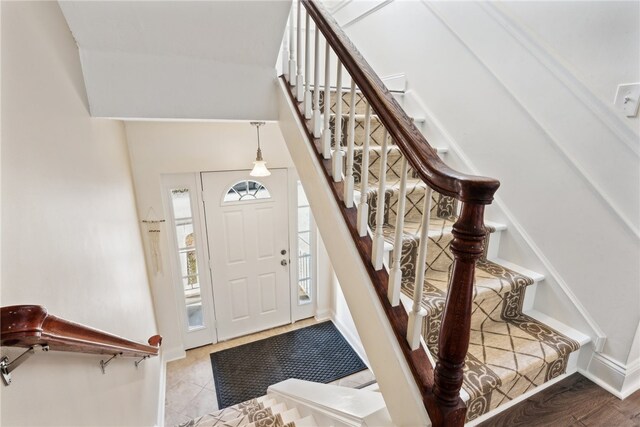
x: 179, y: 59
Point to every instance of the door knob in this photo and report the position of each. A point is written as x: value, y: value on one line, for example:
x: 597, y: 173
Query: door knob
x: 283, y: 252
x: 283, y: 262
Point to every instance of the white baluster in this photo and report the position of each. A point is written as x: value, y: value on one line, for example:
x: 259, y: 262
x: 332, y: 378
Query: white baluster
x: 395, y: 274
x: 307, y: 69
x: 363, y: 206
x: 326, y: 132
x: 285, y: 55
x: 299, y: 78
x: 351, y: 129
x: 377, y: 255
x: 414, y: 328
x: 292, y: 59
x: 317, y: 116
x: 338, y: 155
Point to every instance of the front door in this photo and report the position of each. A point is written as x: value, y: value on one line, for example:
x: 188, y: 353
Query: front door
x: 247, y: 230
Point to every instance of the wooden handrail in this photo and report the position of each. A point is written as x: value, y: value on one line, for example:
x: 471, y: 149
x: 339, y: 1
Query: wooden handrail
x: 30, y: 325
x: 440, y: 385
x: 422, y: 157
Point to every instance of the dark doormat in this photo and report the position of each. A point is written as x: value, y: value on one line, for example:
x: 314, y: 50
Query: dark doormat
x: 316, y: 353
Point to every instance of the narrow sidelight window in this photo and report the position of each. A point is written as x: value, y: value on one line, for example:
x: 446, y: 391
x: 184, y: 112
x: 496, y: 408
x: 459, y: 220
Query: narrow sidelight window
x: 186, y: 242
x: 306, y: 252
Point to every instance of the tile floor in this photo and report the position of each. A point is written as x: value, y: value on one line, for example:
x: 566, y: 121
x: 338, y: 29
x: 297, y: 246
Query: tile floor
x: 190, y: 388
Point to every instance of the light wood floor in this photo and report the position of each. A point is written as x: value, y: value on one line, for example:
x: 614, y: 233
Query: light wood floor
x: 191, y: 391
x: 574, y: 401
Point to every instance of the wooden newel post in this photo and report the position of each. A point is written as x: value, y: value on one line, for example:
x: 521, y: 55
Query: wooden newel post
x: 467, y: 247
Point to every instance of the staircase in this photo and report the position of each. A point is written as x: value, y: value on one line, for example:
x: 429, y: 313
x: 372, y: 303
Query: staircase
x: 298, y: 403
x: 419, y: 229
x: 263, y: 411
x: 510, y: 353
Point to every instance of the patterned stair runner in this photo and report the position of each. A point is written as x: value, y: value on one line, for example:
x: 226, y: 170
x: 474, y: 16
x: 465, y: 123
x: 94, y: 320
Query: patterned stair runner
x: 509, y: 353
x: 260, y: 412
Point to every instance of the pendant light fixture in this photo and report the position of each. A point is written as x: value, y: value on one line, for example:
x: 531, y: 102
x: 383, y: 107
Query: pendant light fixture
x: 259, y: 166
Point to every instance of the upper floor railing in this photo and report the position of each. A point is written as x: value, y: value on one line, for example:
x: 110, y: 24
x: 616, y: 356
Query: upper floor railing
x: 30, y: 326
x: 440, y: 385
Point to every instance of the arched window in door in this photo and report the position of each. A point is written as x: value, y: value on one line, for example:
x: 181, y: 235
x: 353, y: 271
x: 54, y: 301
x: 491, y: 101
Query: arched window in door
x: 246, y: 190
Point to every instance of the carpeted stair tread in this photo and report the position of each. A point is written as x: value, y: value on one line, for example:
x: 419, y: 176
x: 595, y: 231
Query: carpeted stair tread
x: 251, y: 418
x: 509, y: 354
x: 492, y: 283
x: 394, y: 165
x: 281, y: 417
x: 442, y: 207
x: 233, y: 415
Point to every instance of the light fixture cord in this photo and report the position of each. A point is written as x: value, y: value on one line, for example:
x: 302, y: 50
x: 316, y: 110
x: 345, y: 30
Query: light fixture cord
x: 259, y: 154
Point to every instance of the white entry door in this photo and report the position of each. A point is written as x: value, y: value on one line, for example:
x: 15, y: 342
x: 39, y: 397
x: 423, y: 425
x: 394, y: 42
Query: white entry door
x: 247, y: 231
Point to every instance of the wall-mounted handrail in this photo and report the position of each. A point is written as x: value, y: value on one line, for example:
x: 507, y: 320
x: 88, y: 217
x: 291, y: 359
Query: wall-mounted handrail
x: 30, y: 325
x: 423, y: 158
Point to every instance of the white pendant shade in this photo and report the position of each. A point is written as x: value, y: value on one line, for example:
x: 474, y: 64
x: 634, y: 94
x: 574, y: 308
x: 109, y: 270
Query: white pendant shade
x: 260, y: 169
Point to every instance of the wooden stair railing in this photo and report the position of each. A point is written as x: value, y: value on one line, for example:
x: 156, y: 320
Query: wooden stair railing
x: 440, y: 385
x: 30, y: 326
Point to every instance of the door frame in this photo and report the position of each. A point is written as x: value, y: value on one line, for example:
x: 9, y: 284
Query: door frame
x: 206, y: 334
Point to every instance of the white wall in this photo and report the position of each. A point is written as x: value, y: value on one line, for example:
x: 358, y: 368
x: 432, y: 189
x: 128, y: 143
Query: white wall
x: 180, y: 59
x: 158, y: 148
x: 599, y: 44
x: 71, y: 240
x: 567, y: 160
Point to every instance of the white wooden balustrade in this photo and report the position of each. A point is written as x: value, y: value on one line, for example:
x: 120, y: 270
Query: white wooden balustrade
x: 292, y: 60
x: 351, y: 129
x: 417, y: 313
x: 307, y: 68
x: 377, y: 253
x: 363, y: 206
x: 338, y: 155
x: 326, y: 132
x: 317, y: 116
x: 395, y: 274
x: 299, y: 79
x: 321, y: 128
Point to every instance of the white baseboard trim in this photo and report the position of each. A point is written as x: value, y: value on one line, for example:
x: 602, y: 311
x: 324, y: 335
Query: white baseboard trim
x: 322, y: 315
x: 351, y: 338
x: 617, y: 378
x: 163, y: 391
x: 632, y: 379
x: 171, y: 354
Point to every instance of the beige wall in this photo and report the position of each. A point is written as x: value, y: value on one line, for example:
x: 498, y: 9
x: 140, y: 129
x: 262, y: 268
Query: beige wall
x: 159, y: 148
x: 71, y: 240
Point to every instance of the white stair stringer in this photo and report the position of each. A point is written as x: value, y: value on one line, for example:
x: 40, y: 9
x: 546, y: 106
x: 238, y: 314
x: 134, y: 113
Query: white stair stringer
x: 397, y: 384
x: 332, y: 405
